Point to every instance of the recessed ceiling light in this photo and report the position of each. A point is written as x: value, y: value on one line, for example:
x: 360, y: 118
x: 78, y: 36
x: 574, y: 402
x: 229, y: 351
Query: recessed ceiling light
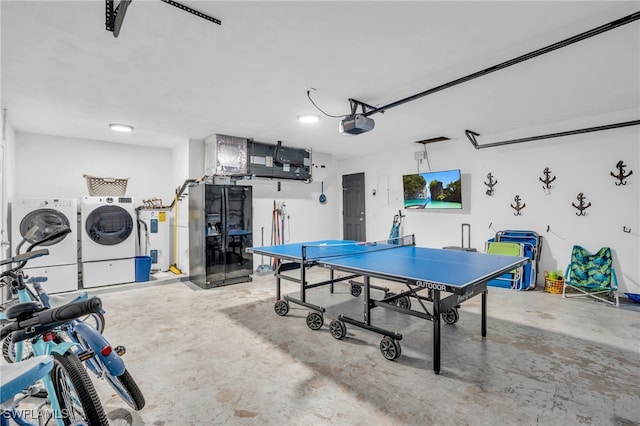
x: 125, y: 128
x: 308, y: 118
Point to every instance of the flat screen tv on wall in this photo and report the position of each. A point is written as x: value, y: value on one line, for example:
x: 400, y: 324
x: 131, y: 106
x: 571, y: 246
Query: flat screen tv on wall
x: 433, y: 190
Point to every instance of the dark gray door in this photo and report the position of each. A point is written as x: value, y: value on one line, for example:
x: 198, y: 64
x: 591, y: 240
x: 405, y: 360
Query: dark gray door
x: 353, y: 213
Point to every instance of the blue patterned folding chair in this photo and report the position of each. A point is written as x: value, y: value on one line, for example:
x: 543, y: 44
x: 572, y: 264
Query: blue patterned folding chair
x: 591, y: 275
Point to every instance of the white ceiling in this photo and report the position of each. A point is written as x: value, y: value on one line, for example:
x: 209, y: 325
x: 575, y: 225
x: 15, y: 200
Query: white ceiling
x: 175, y: 76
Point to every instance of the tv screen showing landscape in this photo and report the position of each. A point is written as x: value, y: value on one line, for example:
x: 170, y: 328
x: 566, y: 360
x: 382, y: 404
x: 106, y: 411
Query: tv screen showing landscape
x: 433, y: 190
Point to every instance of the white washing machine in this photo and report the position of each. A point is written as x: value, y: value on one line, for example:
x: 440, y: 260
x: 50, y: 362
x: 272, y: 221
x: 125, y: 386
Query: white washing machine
x: 60, y: 266
x: 155, y: 238
x: 108, y: 241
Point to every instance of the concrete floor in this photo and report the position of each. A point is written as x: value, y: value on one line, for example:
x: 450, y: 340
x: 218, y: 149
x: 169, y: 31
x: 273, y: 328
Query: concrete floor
x: 223, y: 357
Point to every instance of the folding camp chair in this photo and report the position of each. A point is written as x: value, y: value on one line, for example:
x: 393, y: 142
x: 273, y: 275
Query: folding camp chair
x: 591, y: 275
x: 531, y: 247
x: 512, y: 279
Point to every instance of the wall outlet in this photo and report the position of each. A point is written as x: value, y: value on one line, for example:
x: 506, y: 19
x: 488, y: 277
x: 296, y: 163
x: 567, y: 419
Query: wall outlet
x: 420, y: 155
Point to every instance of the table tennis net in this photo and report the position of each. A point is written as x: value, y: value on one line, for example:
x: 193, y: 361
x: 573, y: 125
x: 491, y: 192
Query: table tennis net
x: 325, y: 251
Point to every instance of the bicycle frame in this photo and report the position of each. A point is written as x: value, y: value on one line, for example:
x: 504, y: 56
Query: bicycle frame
x: 103, y: 353
x: 37, y: 369
x: 87, y: 342
x: 95, y: 341
x: 45, y: 345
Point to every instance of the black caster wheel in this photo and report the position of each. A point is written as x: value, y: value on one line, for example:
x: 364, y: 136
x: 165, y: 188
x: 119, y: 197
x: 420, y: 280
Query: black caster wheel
x: 391, y: 294
x: 356, y: 290
x: 314, y: 321
x: 390, y: 348
x: 451, y: 316
x: 404, y: 302
x: 337, y: 329
x: 281, y: 307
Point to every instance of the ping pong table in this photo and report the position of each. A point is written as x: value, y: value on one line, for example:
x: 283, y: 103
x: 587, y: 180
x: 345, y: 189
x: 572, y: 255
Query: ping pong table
x: 448, y: 277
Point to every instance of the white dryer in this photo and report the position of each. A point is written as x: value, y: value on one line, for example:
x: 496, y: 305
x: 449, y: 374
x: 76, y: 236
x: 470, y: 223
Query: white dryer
x: 108, y: 242
x: 48, y: 215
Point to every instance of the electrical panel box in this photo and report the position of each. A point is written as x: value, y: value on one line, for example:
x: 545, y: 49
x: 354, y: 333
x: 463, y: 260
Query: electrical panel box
x: 277, y: 162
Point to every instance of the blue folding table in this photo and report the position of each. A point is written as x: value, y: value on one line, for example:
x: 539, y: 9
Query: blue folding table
x: 449, y: 277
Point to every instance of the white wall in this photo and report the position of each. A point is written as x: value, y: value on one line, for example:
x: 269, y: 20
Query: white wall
x: 180, y: 228
x: 307, y: 219
x: 582, y: 163
x: 53, y: 167
x: 50, y: 166
x: 47, y: 166
x: 8, y: 182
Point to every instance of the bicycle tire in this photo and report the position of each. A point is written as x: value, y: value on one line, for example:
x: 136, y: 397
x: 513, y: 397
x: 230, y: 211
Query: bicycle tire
x: 127, y: 388
x: 73, y: 385
x: 9, y: 350
x: 95, y: 320
x: 124, y: 385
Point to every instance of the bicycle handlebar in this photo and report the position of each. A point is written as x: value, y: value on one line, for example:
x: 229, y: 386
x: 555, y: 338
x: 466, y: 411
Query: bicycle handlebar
x: 25, y: 256
x: 50, y: 237
x: 71, y: 311
x: 47, y: 319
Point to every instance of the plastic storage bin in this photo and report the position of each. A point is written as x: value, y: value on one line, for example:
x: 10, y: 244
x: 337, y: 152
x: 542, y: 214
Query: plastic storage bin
x: 553, y: 286
x: 143, y: 268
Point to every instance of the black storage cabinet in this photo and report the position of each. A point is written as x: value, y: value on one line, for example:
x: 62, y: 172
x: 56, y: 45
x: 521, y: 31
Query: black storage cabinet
x: 220, y: 230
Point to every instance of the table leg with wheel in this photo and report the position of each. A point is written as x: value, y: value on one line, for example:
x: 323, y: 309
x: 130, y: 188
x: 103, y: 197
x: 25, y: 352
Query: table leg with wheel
x: 484, y: 313
x: 436, y: 331
x: 367, y: 305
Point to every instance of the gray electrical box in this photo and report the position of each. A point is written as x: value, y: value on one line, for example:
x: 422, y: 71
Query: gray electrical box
x: 277, y: 162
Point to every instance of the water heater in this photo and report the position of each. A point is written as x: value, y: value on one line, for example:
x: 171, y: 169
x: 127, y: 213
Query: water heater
x: 156, y: 239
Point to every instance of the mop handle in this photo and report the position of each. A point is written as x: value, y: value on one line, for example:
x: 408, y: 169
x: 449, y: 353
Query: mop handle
x: 262, y: 243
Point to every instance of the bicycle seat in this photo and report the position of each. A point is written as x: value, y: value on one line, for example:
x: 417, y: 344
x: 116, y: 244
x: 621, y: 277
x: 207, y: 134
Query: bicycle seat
x: 23, y: 310
x: 19, y: 376
x: 62, y: 299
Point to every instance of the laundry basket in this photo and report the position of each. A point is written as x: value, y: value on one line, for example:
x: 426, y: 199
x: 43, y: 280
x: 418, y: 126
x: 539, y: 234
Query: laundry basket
x: 551, y: 285
x: 106, y: 185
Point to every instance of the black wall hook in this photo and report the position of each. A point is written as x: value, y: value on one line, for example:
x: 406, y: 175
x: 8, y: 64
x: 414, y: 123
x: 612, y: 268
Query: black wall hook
x: 582, y: 206
x: 490, y: 184
x: 518, y: 206
x: 547, y: 179
x: 621, y: 176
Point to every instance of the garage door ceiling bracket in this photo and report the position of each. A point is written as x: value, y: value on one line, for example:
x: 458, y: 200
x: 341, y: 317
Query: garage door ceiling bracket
x: 354, y: 104
x: 566, y: 42
x: 193, y: 12
x: 472, y: 135
x: 115, y: 16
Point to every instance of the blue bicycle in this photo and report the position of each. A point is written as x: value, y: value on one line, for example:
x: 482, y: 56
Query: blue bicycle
x: 92, y: 348
x: 19, y: 381
x: 70, y: 393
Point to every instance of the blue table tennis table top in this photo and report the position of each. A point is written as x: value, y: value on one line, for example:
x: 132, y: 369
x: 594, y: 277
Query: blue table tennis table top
x: 454, y: 268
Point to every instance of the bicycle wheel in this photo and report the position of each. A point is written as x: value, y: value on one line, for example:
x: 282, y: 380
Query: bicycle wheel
x: 124, y: 384
x: 95, y: 320
x: 127, y: 388
x: 78, y: 399
x: 10, y: 349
